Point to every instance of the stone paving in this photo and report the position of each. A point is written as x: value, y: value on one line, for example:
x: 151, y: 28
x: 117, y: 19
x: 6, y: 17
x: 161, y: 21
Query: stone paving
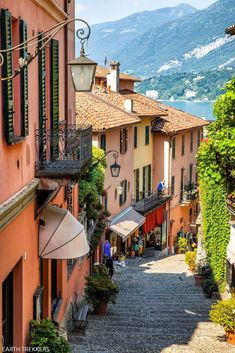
x: 159, y: 309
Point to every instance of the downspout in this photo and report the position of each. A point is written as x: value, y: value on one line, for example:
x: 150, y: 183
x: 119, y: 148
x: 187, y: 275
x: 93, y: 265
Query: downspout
x: 65, y: 64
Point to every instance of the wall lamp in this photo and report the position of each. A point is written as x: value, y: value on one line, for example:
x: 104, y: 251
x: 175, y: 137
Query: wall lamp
x: 82, y: 68
x: 115, y: 167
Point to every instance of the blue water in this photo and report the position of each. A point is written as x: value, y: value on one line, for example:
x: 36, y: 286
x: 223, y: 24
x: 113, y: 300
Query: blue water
x: 201, y: 109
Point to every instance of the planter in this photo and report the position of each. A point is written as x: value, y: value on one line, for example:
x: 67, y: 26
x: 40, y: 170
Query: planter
x: 101, y: 309
x: 192, y: 268
x: 198, y: 280
x: 230, y: 338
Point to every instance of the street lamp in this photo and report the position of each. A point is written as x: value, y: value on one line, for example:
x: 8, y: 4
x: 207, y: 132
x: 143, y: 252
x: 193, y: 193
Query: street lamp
x: 82, y: 68
x: 115, y: 167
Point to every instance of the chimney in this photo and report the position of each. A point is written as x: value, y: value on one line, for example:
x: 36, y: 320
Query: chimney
x: 113, y: 76
x: 128, y: 105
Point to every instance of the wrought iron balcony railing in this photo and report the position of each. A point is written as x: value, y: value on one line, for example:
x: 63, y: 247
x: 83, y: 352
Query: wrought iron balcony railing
x: 64, y: 152
x: 188, y: 194
x: 152, y: 201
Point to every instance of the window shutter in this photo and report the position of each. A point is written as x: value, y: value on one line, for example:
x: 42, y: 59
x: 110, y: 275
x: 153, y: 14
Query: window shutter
x: 121, y: 196
x: 149, y: 179
x: 137, y: 184
x: 24, y: 83
x: 121, y: 141
x: 135, y: 136
x: 126, y: 138
x: 125, y: 191
x: 7, y: 86
x: 103, y: 142
x: 42, y: 98
x: 144, y: 178
x: 172, y: 185
x: 173, y: 148
x: 55, y: 95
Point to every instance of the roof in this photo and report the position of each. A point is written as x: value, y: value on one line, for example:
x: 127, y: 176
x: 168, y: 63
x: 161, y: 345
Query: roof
x: 102, y: 72
x: 230, y: 30
x: 102, y: 115
x: 176, y: 120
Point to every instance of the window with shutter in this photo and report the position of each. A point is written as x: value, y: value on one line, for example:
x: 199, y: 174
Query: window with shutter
x: 54, y: 95
x: 135, y: 137
x: 190, y: 173
x: 7, y: 70
x: 173, y: 148
x: 103, y: 142
x: 137, y: 184
x: 42, y: 98
x: 183, y: 144
x: 146, y: 135
x: 172, y: 185
x: 123, y: 140
x: 149, y: 179
x: 191, y: 141
x: 144, y: 182
x: 24, y: 83
x: 198, y: 138
x: 126, y: 139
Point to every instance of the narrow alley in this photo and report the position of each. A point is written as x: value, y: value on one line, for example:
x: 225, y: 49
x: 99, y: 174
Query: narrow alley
x: 159, y: 309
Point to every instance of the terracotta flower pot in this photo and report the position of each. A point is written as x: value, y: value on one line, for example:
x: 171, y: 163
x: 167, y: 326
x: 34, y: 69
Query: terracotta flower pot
x: 101, y: 309
x: 198, y: 280
x: 230, y: 338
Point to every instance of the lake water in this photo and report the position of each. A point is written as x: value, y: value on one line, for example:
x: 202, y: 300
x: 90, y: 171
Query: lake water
x: 201, y: 109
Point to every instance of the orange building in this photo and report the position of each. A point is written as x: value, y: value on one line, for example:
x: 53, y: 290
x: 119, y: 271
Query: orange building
x: 40, y: 271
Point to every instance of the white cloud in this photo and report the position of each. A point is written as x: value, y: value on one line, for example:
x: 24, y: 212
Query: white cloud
x: 80, y: 8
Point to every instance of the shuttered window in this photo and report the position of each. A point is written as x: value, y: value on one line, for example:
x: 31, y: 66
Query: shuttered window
x: 190, y: 173
x: 42, y: 98
x: 103, y: 142
x: 146, y: 135
x: 54, y: 95
x: 172, y: 185
x: 7, y: 71
x: 183, y: 145
x: 135, y: 136
x: 198, y: 138
x: 24, y: 83
x: 123, y: 197
x: 123, y: 140
x: 191, y: 141
x: 149, y: 179
x: 173, y: 148
x: 137, y: 184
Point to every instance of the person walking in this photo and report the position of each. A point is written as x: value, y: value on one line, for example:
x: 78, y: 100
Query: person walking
x: 136, y: 249
x: 107, y: 249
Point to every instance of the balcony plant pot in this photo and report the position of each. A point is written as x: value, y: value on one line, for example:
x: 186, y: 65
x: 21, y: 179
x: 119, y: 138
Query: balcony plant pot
x: 101, y: 309
x: 230, y: 336
x: 198, y: 280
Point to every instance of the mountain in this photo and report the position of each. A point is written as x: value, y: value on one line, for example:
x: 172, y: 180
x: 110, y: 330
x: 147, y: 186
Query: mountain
x: 191, y: 43
x: 106, y: 38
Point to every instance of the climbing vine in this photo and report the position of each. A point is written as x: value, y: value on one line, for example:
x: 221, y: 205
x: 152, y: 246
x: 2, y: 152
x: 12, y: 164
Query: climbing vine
x: 216, y: 164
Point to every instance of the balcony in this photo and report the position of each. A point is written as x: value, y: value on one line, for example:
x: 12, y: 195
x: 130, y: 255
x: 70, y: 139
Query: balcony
x: 152, y: 201
x: 188, y: 194
x: 64, y: 152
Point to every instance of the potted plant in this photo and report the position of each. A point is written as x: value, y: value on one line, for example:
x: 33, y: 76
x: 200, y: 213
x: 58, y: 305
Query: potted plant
x: 198, y: 276
x: 100, y: 290
x: 223, y: 313
x: 183, y: 245
x: 190, y: 259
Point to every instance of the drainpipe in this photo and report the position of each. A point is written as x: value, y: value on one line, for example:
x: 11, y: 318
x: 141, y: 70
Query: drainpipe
x: 65, y: 65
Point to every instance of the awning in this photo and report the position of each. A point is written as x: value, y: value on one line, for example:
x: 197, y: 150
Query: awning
x: 153, y: 219
x: 62, y: 236
x: 126, y: 223
x: 231, y: 246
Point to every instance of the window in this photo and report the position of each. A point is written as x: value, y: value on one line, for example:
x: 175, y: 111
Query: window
x: 103, y: 142
x: 173, y: 148
x: 15, y: 109
x: 183, y: 145
x: 123, y: 197
x: 123, y: 140
x: 137, y: 184
x: 190, y: 174
x: 182, y: 183
x: 146, y: 135
x: 147, y: 180
x: 191, y: 141
x: 173, y: 185
x: 135, y: 136
x: 198, y: 138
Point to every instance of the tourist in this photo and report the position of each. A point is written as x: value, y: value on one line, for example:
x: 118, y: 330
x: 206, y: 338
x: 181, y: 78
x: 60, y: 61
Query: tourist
x: 107, y: 248
x: 136, y: 249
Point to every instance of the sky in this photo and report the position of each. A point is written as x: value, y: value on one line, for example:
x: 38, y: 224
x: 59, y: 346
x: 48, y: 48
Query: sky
x: 98, y: 11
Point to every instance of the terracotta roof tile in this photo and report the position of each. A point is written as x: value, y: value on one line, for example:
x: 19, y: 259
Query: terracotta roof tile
x: 102, y: 72
x: 176, y: 120
x: 102, y: 115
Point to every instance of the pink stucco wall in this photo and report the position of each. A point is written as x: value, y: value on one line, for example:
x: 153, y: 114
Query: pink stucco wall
x: 126, y: 162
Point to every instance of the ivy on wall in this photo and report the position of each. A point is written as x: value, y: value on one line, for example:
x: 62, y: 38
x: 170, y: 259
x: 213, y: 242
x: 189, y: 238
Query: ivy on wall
x: 216, y: 165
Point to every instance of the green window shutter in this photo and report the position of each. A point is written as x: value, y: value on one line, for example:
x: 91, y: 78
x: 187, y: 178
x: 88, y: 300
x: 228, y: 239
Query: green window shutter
x: 149, y: 179
x: 103, y: 142
x: 125, y: 191
x: 191, y: 141
x: 172, y: 185
x: 183, y: 143
x: 173, y: 148
x: 135, y: 136
x: 42, y: 98
x: 121, y: 141
x: 137, y: 184
x: 125, y: 139
x: 144, y: 181
x: 122, y: 195
x: 7, y: 70
x: 146, y: 135
x: 24, y: 83
x: 55, y: 95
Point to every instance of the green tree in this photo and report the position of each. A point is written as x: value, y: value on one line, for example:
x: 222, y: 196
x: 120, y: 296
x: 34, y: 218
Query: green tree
x: 216, y: 164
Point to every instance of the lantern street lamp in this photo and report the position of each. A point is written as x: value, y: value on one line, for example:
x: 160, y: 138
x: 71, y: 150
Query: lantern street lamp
x: 115, y: 167
x: 82, y: 68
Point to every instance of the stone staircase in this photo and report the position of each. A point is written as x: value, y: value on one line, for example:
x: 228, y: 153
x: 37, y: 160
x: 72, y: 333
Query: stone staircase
x: 159, y: 309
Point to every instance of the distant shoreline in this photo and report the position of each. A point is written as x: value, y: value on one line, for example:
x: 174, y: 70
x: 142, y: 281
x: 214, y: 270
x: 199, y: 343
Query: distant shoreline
x: 185, y: 100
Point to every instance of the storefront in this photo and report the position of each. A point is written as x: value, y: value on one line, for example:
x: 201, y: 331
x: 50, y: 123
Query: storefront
x: 155, y: 229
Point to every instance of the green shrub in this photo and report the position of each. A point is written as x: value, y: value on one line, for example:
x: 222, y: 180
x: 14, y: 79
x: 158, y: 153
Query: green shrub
x: 223, y: 313
x: 183, y: 245
x: 43, y: 334
x: 100, y: 288
x: 190, y: 259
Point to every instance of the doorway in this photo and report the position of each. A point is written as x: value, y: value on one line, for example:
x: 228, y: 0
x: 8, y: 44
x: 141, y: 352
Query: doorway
x: 7, y: 311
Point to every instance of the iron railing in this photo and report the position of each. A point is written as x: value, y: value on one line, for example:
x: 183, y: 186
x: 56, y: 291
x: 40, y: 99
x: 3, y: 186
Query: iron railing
x: 63, y: 152
x: 187, y: 195
x: 152, y: 201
